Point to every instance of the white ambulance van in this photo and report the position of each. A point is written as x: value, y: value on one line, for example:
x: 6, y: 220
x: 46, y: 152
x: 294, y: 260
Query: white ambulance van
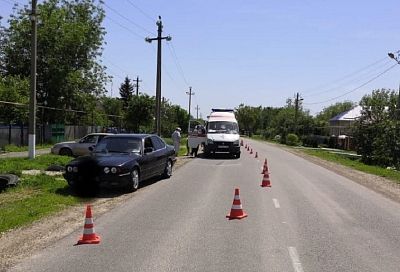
x: 222, y: 133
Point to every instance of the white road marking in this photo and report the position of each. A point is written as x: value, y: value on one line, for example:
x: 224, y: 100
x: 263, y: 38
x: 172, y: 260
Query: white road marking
x: 276, y: 203
x: 295, y: 259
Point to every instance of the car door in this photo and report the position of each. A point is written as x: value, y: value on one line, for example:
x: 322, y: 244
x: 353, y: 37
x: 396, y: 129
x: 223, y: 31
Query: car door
x: 148, y: 166
x: 82, y: 147
x: 160, y: 153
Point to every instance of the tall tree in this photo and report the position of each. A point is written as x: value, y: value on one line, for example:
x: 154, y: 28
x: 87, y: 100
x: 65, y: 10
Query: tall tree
x: 126, y: 91
x: 69, y: 41
x: 139, y: 114
x: 377, y: 132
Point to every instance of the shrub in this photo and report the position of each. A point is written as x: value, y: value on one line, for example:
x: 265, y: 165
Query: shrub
x: 292, y: 139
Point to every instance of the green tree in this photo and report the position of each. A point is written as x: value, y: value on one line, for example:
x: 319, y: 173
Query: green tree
x: 377, y: 132
x: 247, y: 117
x: 15, y: 90
x: 139, y: 116
x: 126, y: 91
x: 322, y: 118
x: 113, y: 108
x: 70, y: 38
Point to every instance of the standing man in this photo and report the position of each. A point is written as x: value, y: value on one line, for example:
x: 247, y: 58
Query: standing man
x: 176, y: 138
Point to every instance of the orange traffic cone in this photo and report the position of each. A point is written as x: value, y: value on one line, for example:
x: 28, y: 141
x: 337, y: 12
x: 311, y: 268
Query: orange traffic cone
x: 256, y: 156
x: 245, y: 146
x: 241, y: 142
x: 89, y: 236
x: 266, y: 182
x: 265, y: 169
x: 237, y: 210
x: 251, y: 151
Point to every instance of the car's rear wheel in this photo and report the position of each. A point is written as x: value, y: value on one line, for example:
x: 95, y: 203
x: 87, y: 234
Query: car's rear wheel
x: 65, y: 152
x: 168, y: 169
x: 133, y: 183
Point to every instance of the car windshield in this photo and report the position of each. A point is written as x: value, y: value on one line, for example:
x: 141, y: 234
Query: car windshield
x: 225, y: 127
x: 118, y: 145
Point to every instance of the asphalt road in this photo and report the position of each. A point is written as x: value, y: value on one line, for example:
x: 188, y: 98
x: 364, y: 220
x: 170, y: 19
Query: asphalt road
x: 309, y: 220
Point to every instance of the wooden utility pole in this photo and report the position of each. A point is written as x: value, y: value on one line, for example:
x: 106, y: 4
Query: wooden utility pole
x: 137, y: 85
x: 197, y: 112
x: 190, y: 93
x: 158, y: 78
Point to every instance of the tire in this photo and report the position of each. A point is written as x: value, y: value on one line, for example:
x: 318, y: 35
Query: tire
x: 8, y: 180
x: 168, y: 169
x: 65, y: 152
x: 133, y: 183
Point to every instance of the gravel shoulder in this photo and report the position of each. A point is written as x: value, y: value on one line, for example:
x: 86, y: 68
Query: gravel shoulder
x: 21, y: 243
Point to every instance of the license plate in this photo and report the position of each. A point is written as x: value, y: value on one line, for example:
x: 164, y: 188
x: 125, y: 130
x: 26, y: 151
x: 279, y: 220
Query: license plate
x: 223, y: 146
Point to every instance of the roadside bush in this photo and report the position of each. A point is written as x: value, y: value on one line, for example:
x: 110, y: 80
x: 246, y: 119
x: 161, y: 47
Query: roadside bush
x: 292, y: 139
x: 315, y: 140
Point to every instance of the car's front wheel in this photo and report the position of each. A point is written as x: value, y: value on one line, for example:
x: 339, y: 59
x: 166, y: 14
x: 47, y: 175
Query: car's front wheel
x: 65, y: 152
x: 133, y: 183
x: 168, y: 169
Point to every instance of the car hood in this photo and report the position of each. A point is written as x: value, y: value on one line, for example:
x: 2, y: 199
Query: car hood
x: 105, y: 159
x: 65, y: 143
x: 223, y: 137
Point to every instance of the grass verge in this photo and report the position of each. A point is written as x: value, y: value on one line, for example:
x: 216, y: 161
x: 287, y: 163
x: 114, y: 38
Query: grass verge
x: 15, y: 148
x: 35, y: 196
x: 355, y: 164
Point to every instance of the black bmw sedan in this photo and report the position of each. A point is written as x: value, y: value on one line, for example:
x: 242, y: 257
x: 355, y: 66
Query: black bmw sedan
x: 121, y: 160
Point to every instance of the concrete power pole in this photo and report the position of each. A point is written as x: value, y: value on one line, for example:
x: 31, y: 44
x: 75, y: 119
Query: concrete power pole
x: 158, y: 79
x: 32, y: 99
x: 190, y: 93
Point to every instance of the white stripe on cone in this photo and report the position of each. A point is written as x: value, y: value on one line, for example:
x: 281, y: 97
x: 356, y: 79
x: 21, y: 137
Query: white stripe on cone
x: 88, y: 231
x: 88, y: 221
x: 237, y: 207
x: 237, y: 197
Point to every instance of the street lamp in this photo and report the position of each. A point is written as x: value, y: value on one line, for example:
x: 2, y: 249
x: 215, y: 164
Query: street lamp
x: 396, y: 58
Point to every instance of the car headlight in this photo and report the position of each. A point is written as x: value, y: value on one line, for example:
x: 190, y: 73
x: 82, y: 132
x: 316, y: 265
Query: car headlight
x: 210, y: 141
x: 69, y: 168
x: 114, y: 170
x: 75, y: 169
x: 106, y: 170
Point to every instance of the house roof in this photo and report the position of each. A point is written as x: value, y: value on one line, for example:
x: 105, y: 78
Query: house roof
x: 349, y: 115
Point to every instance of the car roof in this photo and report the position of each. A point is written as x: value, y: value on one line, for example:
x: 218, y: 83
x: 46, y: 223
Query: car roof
x: 101, y: 133
x: 130, y: 135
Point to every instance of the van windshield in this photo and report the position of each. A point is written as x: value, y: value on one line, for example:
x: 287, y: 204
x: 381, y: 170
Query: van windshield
x: 225, y: 127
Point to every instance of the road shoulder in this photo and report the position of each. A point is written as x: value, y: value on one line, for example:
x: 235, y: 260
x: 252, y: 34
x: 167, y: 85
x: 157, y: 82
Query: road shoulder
x: 20, y: 243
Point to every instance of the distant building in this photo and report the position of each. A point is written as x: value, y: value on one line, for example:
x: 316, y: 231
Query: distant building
x: 340, y: 127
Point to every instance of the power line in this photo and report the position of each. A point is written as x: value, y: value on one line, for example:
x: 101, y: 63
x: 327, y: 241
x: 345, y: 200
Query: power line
x: 176, y: 60
x: 355, y: 89
x: 124, y: 27
x: 346, y: 76
x: 127, y: 19
x: 351, y: 81
x: 141, y: 11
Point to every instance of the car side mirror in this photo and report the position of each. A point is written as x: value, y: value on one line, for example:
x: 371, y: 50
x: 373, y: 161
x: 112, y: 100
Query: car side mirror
x: 148, y: 150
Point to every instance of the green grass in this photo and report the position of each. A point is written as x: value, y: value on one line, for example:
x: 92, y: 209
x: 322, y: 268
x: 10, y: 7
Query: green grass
x: 345, y: 160
x: 35, y: 196
x: 14, y: 148
x: 355, y: 164
x: 16, y: 165
x: 182, y: 147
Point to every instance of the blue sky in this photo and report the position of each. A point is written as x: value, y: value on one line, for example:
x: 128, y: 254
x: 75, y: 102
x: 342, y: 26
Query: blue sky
x: 253, y: 52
